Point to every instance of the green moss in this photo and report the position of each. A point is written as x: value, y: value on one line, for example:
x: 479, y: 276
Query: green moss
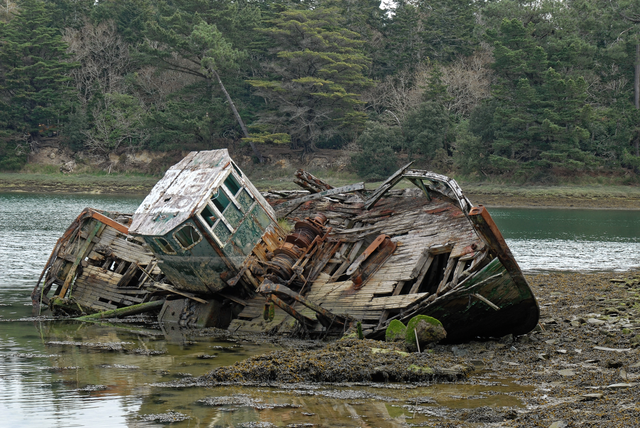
x: 420, y: 370
x: 395, y: 331
x: 387, y: 351
x: 410, y: 336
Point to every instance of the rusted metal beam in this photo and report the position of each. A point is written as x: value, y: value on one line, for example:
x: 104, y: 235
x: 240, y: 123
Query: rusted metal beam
x: 366, y: 253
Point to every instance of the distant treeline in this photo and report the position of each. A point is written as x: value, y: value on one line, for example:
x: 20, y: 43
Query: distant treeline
x: 523, y: 89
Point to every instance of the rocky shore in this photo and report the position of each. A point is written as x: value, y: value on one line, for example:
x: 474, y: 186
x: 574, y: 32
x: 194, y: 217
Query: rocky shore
x: 579, y: 368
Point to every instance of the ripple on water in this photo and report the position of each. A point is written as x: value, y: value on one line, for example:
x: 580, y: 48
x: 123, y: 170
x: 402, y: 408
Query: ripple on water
x: 569, y: 255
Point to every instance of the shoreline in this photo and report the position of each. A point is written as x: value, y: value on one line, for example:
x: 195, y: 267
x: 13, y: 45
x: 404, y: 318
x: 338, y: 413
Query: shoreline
x: 491, y: 196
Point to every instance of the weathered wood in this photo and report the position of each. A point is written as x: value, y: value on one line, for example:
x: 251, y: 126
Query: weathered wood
x: 282, y: 208
x: 123, y: 312
x: 170, y: 289
x: 81, y: 254
x: 310, y: 182
x: 423, y: 273
x: 385, y: 186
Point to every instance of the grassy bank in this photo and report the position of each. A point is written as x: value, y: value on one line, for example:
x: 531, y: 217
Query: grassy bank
x: 117, y: 184
x: 489, y: 194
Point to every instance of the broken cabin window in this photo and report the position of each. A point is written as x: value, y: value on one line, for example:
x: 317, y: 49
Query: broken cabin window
x: 209, y: 216
x: 237, y: 169
x: 164, y: 245
x: 187, y: 237
x: 232, y: 185
x: 220, y: 200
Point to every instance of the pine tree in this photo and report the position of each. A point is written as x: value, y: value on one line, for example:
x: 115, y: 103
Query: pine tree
x: 33, y: 71
x: 315, y: 75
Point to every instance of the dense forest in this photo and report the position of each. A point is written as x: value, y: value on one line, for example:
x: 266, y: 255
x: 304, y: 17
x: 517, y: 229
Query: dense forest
x: 522, y: 89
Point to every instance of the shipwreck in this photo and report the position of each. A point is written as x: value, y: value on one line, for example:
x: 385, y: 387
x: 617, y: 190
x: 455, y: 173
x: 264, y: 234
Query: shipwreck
x: 206, y: 248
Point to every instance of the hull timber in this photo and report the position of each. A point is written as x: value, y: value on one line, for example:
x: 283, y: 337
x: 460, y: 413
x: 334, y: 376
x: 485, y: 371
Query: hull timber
x: 95, y: 267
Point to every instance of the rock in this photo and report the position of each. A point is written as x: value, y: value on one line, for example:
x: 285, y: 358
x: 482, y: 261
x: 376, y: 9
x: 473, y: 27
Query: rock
x: 395, y: 332
x: 591, y: 397
x: 429, y: 333
x: 611, y: 311
x: 602, y: 348
x: 566, y: 372
x: 561, y: 351
x: 558, y: 424
x: 611, y: 364
x: 68, y: 167
x: 594, y: 321
x: 459, y: 352
x: 543, y: 356
x: 427, y: 329
x: 508, y: 339
x: 620, y: 385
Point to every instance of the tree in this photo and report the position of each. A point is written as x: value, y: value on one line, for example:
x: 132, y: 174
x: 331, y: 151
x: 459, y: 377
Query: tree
x: 539, y: 115
x: 187, y: 43
x: 33, y: 71
x: 630, y: 11
x: 314, y: 78
x: 103, y: 58
x: 436, y: 30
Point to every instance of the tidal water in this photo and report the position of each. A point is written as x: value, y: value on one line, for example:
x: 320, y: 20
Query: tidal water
x: 56, y: 373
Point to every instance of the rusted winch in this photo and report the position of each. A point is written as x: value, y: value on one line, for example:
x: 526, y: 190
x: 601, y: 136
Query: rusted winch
x: 294, y: 246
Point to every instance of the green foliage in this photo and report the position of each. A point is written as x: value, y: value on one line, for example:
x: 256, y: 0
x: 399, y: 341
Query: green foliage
x: 13, y: 155
x: 33, y: 79
x: 426, y: 129
x: 315, y: 73
x: 377, y: 158
x: 118, y: 122
x: 184, y: 74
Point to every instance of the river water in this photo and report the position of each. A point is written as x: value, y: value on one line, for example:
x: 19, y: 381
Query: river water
x: 57, y: 373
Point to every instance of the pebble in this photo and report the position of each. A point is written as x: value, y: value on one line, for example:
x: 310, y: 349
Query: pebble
x: 602, y: 348
x: 620, y: 385
x: 591, y: 397
x: 594, y: 321
x: 558, y: 424
x: 566, y: 372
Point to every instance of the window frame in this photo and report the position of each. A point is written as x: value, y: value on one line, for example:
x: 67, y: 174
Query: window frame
x: 194, y: 243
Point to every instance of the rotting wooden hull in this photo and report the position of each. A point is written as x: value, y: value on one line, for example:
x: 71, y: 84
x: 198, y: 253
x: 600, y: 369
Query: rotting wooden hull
x: 95, y: 266
x: 451, y: 263
x: 353, y: 257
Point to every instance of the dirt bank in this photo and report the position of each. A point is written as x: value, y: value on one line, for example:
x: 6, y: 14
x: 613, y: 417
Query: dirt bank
x: 601, y: 197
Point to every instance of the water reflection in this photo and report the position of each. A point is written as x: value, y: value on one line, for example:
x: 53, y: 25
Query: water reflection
x: 571, y: 240
x: 67, y: 374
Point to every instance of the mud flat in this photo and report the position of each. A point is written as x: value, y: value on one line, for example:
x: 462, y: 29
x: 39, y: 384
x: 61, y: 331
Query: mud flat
x: 579, y: 367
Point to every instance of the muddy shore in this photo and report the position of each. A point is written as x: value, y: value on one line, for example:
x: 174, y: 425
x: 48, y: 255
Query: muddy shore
x: 579, y: 367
